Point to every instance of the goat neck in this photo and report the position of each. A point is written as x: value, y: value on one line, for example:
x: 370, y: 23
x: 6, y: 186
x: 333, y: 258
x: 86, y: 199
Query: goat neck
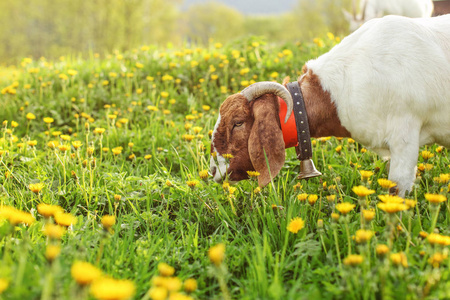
x: 321, y: 112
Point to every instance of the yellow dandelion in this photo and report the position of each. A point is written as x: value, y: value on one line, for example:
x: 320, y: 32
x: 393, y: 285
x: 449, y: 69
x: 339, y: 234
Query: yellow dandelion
x: 392, y: 207
x: 382, y: 249
x: 65, y: 219
x: 335, y: 217
x: 108, y: 221
x: 363, y: 235
x: 84, y: 273
x: 30, y: 116
x: 228, y: 156
x: 112, y: 289
x: 36, y: 187
x: 426, y: 154
x: 52, y: 252
x: 345, y: 207
x: 203, y: 174
x: 365, y: 175
x: 158, y: 293
x: 312, y: 199
x: 216, y: 254
x: 391, y: 198
x: 53, y: 231
x: 32, y: 143
x: 165, y: 269
x: 443, y: 178
x: 353, y: 260
x: 386, y: 183
x: 192, y: 183
x: 3, y: 285
x: 49, y: 120
x: 296, y: 224
x: 63, y: 148
x: 368, y: 215
x: 362, y: 191
x: 190, y: 285
x: 435, y: 198
x: 99, y: 130
x: 399, y: 259
x: 77, y: 144
x: 253, y: 173
x: 48, y: 210
x: 117, y: 150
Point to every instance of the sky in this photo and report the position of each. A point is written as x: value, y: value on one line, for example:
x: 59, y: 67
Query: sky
x: 252, y: 7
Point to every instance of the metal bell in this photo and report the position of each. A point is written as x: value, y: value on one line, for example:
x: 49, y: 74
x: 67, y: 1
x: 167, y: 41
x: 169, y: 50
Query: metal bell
x: 308, y: 170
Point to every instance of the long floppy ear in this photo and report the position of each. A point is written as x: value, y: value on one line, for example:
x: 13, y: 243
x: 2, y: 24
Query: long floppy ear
x: 266, y: 139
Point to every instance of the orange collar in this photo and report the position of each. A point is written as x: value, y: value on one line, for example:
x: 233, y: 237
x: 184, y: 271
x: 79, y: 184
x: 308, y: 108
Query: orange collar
x: 289, y: 128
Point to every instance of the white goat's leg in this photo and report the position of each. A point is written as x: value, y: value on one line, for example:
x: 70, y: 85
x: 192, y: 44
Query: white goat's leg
x: 404, y: 153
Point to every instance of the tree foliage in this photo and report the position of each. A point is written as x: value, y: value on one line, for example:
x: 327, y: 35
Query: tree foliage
x: 53, y: 28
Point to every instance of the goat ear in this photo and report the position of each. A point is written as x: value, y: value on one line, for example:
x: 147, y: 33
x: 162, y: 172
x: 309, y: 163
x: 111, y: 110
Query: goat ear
x: 266, y: 139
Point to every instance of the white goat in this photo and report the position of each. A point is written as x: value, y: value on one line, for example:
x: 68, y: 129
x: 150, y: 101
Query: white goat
x: 370, y: 9
x: 387, y: 86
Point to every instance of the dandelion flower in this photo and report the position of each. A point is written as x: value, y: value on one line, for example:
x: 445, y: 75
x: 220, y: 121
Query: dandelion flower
x: 345, y: 207
x: 362, y: 191
x: 386, y: 183
x: 353, y: 260
x: 302, y: 197
x: 227, y: 156
x: 112, y: 289
x: 165, y: 270
x: 192, y: 183
x: 435, y: 198
x: 65, y: 219
x: 108, y: 221
x: 391, y: 199
x: 296, y: 224
x: 36, y: 187
x: 399, y: 259
x: 335, y: 217
x: 368, y: 215
x: 190, y: 285
x: 52, y: 252
x: 158, y: 293
x: 382, y: 249
x: 84, y: 273
x: 203, y: 174
x: 363, y: 236
x: 253, y: 173
x: 30, y: 116
x: 49, y: 120
x: 312, y: 199
x: 48, y: 210
x: 217, y: 253
x: 54, y: 231
x: 365, y: 175
x: 426, y: 154
x: 32, y: 143
x: 436, y: 259
x: 443, y: 178
x: 3, y: 285
x: 392, y: 207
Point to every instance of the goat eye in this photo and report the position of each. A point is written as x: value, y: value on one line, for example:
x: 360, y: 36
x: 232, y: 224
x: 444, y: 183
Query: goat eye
x: 238, y: 124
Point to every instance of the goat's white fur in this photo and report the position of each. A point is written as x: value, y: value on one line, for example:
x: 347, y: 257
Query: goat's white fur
x: 222, y: 166
x: 378, y: 8
x: 390, y: 82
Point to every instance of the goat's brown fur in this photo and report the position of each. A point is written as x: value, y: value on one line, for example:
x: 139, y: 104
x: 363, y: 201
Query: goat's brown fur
x: 259, y: 133
x: 322, y: 122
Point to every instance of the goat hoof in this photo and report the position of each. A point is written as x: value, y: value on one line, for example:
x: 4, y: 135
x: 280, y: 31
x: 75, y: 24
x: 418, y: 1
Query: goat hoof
x: 393, y: 191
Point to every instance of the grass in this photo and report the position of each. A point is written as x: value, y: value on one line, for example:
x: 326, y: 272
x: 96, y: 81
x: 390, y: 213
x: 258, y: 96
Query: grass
x: 157, y: 108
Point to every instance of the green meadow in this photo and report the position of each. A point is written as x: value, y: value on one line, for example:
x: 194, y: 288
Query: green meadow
x: 105, y: 191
